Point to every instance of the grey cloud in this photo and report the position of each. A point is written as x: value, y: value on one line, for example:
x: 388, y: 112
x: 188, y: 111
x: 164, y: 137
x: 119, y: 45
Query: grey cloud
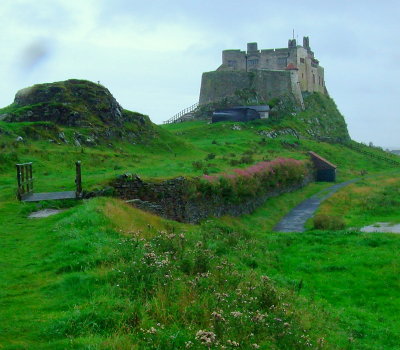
x: 356, y: 42
x: 35, y: 54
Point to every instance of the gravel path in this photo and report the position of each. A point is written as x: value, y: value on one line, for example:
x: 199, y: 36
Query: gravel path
x: 297, y: 217
x: 44, y: 213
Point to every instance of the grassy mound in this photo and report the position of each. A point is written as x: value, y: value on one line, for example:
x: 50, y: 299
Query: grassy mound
x: 87, y: 110
x: 70, y: 103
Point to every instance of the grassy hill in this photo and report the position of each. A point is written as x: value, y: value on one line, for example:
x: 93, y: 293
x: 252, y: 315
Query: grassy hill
x: 104, y: 275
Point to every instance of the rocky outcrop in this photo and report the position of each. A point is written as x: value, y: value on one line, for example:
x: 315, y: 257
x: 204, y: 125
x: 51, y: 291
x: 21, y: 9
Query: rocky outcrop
x: 70, y: 103
x: 79, y: 103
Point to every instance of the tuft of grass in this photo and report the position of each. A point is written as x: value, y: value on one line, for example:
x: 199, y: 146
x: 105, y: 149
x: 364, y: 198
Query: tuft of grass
x: 328, y: 222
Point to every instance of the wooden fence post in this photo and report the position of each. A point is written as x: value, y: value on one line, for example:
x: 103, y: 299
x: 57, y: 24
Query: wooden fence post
x: 23, y: 178
x: 18, y: 181
x: 30, y: 184
x: 78, y: 180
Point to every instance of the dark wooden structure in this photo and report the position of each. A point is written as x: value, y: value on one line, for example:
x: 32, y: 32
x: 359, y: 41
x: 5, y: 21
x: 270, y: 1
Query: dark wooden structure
x: 325, y: 170
x: 235, y: 114
x: 25, y: 186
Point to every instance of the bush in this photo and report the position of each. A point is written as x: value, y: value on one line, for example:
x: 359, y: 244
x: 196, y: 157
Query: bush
x: 234, y: 162
x: 328, y: 222
x: 210, y: 156
x: 198, y: 165
x: 254, y: 180
x: 246, y: 159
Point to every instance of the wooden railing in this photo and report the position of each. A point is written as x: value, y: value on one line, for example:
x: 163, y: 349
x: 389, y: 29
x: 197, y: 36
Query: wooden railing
x: 24, y: 179
x: 359, y: 149
x: 179, y: 115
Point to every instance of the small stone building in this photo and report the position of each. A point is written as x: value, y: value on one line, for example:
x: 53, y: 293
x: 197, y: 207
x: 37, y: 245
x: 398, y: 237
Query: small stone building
x: 325, y: 170
x: 236, y: 114
x: 263, y: 110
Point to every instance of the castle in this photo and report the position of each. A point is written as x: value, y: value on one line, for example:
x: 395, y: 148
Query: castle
x: 270, y: 73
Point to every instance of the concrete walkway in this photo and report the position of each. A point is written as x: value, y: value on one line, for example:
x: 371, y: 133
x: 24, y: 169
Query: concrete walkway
x: 296, y: 219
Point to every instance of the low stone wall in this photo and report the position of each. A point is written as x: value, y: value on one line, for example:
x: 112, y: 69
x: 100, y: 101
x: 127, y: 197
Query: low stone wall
x: 176, y: 199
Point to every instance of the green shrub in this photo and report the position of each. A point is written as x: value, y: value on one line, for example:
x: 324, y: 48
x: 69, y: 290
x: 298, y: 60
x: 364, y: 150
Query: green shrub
x: 198, y: 165
x: 210, y: 156
x: 328, y: 222
x: 246, y: 159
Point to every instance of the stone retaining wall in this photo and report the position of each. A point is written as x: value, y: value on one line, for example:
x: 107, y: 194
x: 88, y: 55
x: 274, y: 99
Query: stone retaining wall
x: 176, y: 199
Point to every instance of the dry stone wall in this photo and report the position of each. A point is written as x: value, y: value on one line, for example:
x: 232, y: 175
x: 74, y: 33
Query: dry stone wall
x: 178, y: 200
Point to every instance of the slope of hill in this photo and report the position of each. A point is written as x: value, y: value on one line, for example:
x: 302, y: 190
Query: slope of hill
x: 104, y: 275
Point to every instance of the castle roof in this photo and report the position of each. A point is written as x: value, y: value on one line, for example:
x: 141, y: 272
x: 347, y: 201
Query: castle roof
x: 291, y: 66
x: 320, y: 162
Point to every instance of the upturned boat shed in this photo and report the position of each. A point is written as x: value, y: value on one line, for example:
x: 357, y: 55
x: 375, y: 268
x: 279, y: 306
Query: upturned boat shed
x: 325, y: 170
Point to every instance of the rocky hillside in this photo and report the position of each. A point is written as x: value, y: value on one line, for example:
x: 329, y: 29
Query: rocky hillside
x: 320, y: 119
x: 78, y: 104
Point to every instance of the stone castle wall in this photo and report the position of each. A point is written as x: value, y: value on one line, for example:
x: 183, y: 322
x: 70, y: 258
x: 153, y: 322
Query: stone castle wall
x: 268, y: 84
x: 272, y: 64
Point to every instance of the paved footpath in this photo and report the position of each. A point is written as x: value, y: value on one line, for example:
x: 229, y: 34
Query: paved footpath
x: 296, y: 219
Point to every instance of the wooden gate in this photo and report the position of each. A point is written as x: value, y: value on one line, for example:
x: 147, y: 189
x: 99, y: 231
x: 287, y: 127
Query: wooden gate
x: 24, y: 180
x: 25, y: 186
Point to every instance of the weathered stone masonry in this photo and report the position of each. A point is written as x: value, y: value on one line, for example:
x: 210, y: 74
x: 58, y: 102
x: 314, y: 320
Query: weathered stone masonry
x: 272, y: 73
x: 175, y: 199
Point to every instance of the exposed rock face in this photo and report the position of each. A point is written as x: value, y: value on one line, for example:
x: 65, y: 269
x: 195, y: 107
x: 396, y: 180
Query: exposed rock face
x: 70, y: 103
x: 77, y: 103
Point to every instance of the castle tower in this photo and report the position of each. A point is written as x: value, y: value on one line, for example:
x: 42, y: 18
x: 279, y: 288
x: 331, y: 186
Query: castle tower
x: 306, y: 43
x: 252, y: 47
x: 292, y: 43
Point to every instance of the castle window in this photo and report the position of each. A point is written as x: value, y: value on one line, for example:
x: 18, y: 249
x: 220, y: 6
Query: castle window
x: 282, y: 61
x: 253, y: 62
x: 302, y: 60
x: 313, y: 78
x: 302, y: 75
x: 231, y: 63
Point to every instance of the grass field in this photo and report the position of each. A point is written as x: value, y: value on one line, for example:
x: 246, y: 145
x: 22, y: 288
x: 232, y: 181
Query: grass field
x: 368, y: 201
x: 103, y: 275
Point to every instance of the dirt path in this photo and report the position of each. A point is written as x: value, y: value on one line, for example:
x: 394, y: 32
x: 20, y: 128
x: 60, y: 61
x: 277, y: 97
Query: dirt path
x: 297, y: 217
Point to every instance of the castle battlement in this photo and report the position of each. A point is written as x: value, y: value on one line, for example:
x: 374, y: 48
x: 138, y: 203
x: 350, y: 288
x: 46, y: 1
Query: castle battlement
x: 294, y: 57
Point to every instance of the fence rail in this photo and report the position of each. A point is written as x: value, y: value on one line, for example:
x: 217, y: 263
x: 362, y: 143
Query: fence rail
x: 372, y: 155
x: 179, y: 115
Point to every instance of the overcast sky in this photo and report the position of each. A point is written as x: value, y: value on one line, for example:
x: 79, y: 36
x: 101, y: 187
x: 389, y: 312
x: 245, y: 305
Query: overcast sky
x: 151, y: 54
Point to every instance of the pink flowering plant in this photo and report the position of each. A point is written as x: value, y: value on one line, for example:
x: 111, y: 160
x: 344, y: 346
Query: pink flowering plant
x: 257, y: 179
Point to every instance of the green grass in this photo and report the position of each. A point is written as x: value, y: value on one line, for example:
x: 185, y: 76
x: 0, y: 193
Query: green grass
x: 264, y: 218
x: 351, y: 275
x: 102, y: 275
x: 93, y: 276
x: 370, y: 200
